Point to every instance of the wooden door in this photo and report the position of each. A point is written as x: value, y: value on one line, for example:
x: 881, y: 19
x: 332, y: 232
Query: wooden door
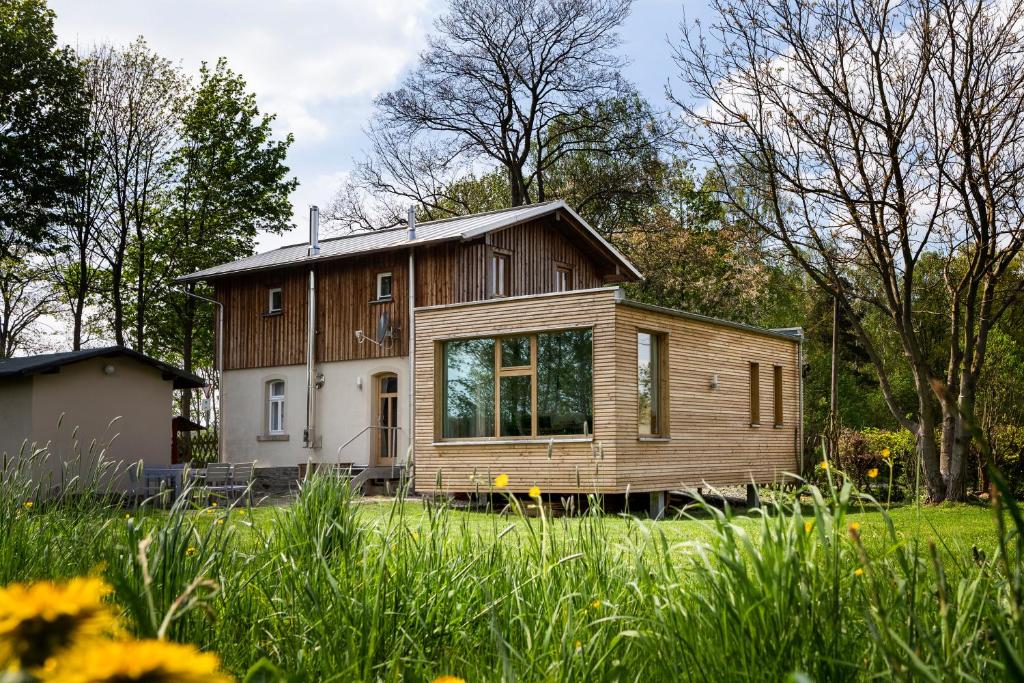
x: 385, y: 418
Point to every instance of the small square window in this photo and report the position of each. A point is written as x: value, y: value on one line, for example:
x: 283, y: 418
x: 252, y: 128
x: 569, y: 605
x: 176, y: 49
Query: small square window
x: 383, y: 286
x: 274, y: 300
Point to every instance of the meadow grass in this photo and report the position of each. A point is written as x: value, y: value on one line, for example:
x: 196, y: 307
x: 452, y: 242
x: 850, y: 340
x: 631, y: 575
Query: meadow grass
x: 333, y: 588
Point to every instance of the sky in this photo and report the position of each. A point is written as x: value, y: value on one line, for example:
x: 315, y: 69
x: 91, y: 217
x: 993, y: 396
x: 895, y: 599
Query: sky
x: 318, y: 64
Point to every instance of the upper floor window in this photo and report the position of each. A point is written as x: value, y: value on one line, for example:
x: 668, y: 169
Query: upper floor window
x: 650, y: 360
x: 275, y: 407
x: 383, y: 286
x: 755, y: 394
x: 563, y: 279
x: 501, y: 273
x: 274, y: 300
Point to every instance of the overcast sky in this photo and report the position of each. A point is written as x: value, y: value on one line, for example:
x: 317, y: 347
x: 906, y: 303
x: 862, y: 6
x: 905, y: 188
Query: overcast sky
x: 318, y: 64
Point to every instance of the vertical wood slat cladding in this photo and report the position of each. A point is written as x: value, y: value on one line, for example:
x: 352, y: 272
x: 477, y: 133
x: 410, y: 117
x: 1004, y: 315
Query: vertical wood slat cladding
x: 345, y: 289
x: 456, y: 272
x: 711, y: 439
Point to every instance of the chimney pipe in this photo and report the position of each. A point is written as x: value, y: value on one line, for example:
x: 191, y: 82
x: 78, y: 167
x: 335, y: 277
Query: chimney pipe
x: 411, y: 220
x: 314, y: 231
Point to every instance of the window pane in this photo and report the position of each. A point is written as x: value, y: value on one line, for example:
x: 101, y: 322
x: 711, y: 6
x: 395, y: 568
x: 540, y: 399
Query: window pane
x: 384, y: 287
x: 515, y: 406
x: 565, y: 383
x: 468, y: 388
x: 515, y: 352
x: 647, y: 382
x: 389, y: 384
x: 277, y: 389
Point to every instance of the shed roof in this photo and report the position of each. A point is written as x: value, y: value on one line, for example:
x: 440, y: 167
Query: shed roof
x: 459, y: 228
x: 24, y: 366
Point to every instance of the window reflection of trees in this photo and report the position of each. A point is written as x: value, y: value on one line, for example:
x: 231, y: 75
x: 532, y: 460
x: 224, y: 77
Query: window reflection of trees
x: 469, y: 388
x: 565, y: 383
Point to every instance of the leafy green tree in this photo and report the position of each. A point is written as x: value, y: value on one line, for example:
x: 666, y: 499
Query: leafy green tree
x: 231, y: 183
x: 41, y: 116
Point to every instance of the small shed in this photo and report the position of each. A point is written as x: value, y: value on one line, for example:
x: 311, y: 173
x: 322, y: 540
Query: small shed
x: 70, y: 408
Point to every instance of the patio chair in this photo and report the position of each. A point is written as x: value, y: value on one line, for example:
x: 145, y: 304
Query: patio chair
x: 218, y: 479
x: 158, y: 483
x: 241, y: 480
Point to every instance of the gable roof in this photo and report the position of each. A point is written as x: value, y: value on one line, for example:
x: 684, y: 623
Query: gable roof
x: 25, y: 366
x: 429, y: 232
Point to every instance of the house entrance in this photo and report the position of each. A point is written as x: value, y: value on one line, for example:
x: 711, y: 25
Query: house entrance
x: 385, y: 418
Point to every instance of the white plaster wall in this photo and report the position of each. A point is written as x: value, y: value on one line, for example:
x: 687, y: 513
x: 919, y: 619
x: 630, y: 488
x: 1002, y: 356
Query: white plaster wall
x: 343, y: 411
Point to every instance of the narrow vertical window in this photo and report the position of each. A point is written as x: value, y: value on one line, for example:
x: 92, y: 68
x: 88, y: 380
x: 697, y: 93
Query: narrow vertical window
x: 275, y: 407
x: 649, y: 364
x: 383, y: 286
x: 501, y: 273
x: 274, y: 300
x: 755, y: 394
x: 563, y: 279
x: 777, y: 394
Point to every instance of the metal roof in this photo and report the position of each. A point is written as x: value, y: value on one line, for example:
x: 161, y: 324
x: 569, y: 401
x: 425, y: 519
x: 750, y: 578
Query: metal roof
x: 24, y: 366
x: 460, y: 228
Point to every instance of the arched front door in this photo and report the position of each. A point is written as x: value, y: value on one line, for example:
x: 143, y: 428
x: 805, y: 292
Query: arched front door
x: 385, y: 418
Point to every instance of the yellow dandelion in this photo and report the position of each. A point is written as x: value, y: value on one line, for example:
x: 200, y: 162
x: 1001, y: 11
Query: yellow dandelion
x: 873, y: 472
x: 808, y: 526
x: 501, y: 481
x: 596, y: 604
x: 415, y: 535
x: 213, y: 504
x: 190, y: 552
x: 854, y: 527
x: 42, y: 619
x: 219, y: 521
x: 886, y: 454
x: 28, y: 504
x: 448, y: 679
x: 858, y: 571
x: 242, y: 512
x: 823, y: 465
x: 578, y: 645
x: 151, y: 661
x: 534, y: 492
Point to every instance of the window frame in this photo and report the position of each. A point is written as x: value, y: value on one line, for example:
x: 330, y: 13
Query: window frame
x: 273, y: 400
x: 271, y: 291
x: 500, y: 371
x: 380, y: 280
x: 494, y: 257
x: 755, y: 393
x: 661, y: 428
x: 569, y: 273
x: 778, y: 407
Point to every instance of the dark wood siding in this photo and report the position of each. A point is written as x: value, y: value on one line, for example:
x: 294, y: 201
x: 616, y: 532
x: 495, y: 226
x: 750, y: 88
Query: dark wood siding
x: 253, y: 339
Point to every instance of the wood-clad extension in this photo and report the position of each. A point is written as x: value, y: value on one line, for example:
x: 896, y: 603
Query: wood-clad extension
x: 709, y: 440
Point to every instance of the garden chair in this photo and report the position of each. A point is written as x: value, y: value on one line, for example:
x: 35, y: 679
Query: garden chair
x: 218, y: 479
x: 241, y: 480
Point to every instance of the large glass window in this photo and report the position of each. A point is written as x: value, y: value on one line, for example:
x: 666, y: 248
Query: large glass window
x: 468, y: 388
x: 565, y: 377
x: 524, y: 385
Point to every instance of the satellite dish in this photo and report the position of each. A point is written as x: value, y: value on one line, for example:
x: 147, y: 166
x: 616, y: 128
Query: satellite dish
x: 383, y: 327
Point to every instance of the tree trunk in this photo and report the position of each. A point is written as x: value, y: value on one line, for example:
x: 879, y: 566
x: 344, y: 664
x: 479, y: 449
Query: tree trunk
x: 188, y: 333
x: 115, y: 286
x: 927, y: 448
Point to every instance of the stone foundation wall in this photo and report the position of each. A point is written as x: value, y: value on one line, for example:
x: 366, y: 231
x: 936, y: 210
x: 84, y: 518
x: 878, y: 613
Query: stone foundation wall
x: 276, y: 480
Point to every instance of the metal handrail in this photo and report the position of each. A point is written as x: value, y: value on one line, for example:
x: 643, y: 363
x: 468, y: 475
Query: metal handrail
x: 360, y: 433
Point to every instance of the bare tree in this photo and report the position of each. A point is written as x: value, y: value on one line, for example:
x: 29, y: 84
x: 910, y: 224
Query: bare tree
x: 495, y: 75
x: 875, y: 133
x: 25, y: 299
x: 137, y: 93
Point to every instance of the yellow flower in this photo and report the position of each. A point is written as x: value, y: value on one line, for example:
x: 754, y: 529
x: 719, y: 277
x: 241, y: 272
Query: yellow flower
x: 213, y: 504
x: 578, y: 645
x: 854, y: 526
x: 824, y: 465
x: 41, y: 619
x: 448, y: 679
x: 873, y: 472
x: 808, y: 526
x: 151, y: 661
x: 190, y: 552
x: 242, y: 512
x: 28, y: 504
x: 219, y: 521
x: 501, y: 481
x: 858, y: 571
x: 415, y: 535
x: 535, y: 492
x: 885, y: 454
x: 596, y: 604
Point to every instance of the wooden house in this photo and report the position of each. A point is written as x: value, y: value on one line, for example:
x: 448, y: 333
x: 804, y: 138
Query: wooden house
x: 495, y: 343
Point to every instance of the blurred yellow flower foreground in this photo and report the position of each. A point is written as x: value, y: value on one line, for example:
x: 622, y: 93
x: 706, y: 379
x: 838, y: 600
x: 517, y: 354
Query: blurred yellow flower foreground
x: 66, y: 633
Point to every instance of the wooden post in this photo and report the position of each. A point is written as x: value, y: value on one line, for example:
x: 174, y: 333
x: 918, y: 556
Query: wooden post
x: 658, y: 499
x: 753, y: 497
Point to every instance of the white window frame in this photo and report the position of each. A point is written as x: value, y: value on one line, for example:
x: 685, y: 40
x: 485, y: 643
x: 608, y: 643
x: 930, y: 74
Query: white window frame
x: 275, y: 407
x: 563, y: 278
x: 380, y: 281
x: 270, y: 300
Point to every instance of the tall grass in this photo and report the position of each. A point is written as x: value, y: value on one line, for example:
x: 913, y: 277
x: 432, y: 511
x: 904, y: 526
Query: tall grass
x: 321, y: 592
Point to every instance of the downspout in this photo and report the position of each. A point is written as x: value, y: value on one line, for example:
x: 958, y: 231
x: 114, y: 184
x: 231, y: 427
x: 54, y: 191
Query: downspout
x: 412, y: 335
x: 800, y: 385
x: 309, y: 433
